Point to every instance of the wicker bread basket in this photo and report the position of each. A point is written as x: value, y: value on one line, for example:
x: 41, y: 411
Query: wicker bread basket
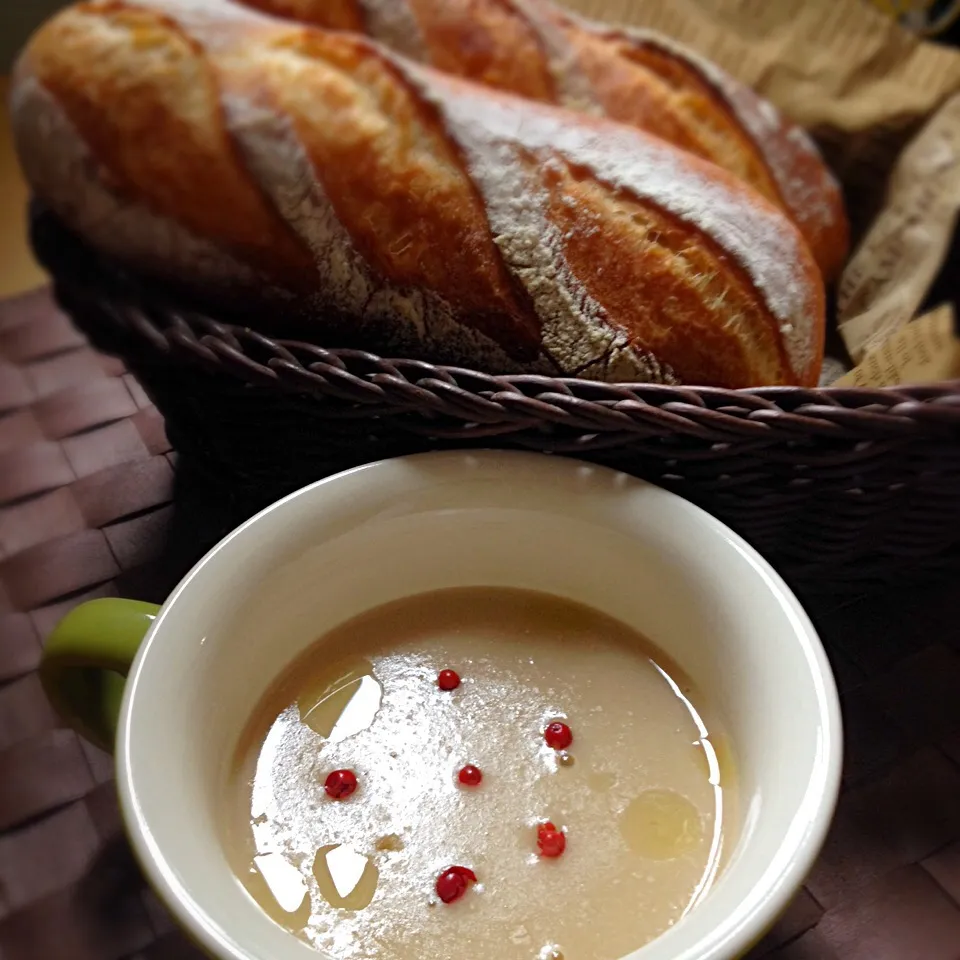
x: 840, y: 488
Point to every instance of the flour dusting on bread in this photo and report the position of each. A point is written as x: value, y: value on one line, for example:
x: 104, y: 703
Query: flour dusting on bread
x: 393, y: 23
x: 574, y: 89
x: 403, y: 318
x: 577, y: 333
x: 760, y: 239
x: 807, y: 188
x: 784, y: 145
x: 62, y: 170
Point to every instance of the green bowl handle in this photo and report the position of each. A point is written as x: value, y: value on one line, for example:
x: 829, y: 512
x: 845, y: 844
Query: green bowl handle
x: 86, y: 661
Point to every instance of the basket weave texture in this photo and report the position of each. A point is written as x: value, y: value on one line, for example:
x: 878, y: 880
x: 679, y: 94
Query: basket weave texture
x: 839, y: 488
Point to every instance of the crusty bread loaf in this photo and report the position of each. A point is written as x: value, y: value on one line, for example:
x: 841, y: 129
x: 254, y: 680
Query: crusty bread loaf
x: 262, y: 161
x: 536, y: 49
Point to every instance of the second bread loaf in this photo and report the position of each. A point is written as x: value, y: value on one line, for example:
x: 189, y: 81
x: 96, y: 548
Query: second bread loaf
x: 537, y: 49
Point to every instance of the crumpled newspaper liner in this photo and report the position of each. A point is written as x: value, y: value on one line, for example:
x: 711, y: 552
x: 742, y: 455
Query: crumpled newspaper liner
x: 885, y: 108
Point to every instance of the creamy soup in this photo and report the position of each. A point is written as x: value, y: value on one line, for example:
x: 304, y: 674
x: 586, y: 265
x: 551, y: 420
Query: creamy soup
x: 479, y: 773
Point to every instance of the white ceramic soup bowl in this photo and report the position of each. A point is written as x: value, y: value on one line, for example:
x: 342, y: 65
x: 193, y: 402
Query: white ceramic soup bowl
x: 401, y: 527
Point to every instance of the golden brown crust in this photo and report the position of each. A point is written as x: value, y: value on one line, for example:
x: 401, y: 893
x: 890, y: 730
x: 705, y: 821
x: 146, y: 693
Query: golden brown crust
x: 331, y: 14
x: 491, y: 45
x: 395, y: 183
x: 476, y: 227
x: 163, y: 139
x: 722, y: 121
x: 676, y: 293
x: 813, y: 199
x: 647, y: 88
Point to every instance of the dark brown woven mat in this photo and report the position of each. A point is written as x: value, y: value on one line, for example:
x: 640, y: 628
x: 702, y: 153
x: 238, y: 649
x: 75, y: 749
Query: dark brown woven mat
x: 86, y: 510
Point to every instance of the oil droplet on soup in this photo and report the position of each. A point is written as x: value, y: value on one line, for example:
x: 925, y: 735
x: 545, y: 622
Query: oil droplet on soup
x: 661, y: 825
x: 642, y: 809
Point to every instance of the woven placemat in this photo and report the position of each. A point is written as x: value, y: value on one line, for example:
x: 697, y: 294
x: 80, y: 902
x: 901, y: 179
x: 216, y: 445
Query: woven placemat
x: 87, y: 492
